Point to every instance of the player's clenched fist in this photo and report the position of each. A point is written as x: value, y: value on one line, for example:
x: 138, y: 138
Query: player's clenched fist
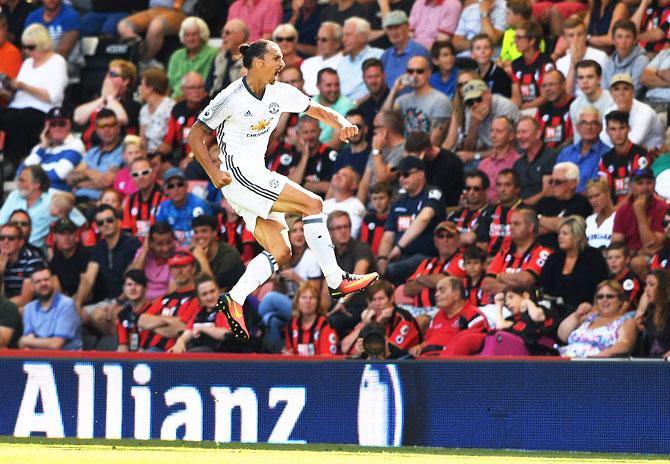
x: 348, y: 131
x: 221, y: 179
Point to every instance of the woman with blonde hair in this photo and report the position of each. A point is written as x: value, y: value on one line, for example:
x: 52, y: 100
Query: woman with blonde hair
x: 132, y: 150
x: 574, y: 270
x: 309, y: 332
x: 39, y: 87
x: 599, y: 225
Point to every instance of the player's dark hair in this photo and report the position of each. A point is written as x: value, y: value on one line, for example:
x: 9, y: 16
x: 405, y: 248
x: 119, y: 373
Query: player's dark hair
x: 255, y: 49
x: 585, y: 64
x: 438, y: 45
x: 204, y: 220
x: 476, y: 173
x: 618, y: 116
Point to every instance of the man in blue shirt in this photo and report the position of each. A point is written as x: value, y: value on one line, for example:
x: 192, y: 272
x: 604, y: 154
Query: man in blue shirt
x: 62, y: 22
x: 396, y: 57
x: 588, y: 152
x: 181, y: 206
x: 355, y: 36
x: 51, y: 321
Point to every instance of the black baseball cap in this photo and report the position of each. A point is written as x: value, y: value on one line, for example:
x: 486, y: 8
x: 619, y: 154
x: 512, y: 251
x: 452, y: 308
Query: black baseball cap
x: 408, y: 163
x: 65, y: 225
x: 57, y: 113
x: 642, y: 173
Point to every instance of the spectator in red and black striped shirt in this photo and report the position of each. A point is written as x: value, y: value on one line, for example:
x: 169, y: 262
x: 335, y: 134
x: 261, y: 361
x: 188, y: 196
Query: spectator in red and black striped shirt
x: 554, y: 114
x: 474, y: 194
x: 372, y: 227
x: 493, y: 232
x: 618, y: 262
x: 474, y: 261
x: 139, y: 209
x: 529, y: 69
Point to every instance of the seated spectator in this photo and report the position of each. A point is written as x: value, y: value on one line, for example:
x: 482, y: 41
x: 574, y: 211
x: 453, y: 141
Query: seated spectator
x: 328, y: 83
x: 587, y: 154
x: 401, y: 329
x: 495, y: 77
x: 162, y: 18
x: 536, y: 161
x: 31, y: 195
x: 69, y: 259
x: 168, y: 316
x: 343, y: 186
x: 618, y: 262
x: 214, y: 257
x: 599, y: 224
x: 116, y: 94
x: 562, y: 201
x: 443, y: 79
x: 111, y: 197
x: 661, y: 259
x: 650, y: 18
x: 600, y: 19
x: 403, y: 48
x: 16, y: 13
x: 355, y: 36
x: 309, y: 332
x: 474, y: 262
x: 431, y: 20
x: 51, y: 321
x: 155, y: 112
x: 104, y: 16
x: 174, y: 148
x: 152, y: 259
x: 306, y: 17
x: 638, y: 221
x: 39, y: 87
x: 11, y: 327
x: 314, y: 168
x: 10, y: 56
x: 529, y: 69
x: 656, y: 77
x: 574, y: 270
x: 328, y: 55
x: 227, y: 64
x: 625, y: 157
x: 196, y: 55
x: 21, y: 218
x: 588, y: 74
x: 128, y: 333
x: 17, y: 263
x: 493, y: 232
x: 554, y: 113
x: 652, y: 319
x: 454, y: 315
x: 262, y: 17
x: 208, y: 327
x: 520, y: 263
x: 518, y: 12
x: 234, y: 232
x: 467, y: 218
x: 357, y: 152
x: 132, y: 150
x: 628, y: 57
x: 645, y: 127
x: 140, y: 208
x: 479, y: 18
x: 100, y: 164
x: 378, y: 91
x: 181, y: 206
x: 63, y: 23
x: 372, y: 228
x: 456, y: 132
x: 341, y: 10
x: 576, y: 39
x: 414, y: 215
x: 502, y: 155
x: 601, y: 330
x: 286, y: 36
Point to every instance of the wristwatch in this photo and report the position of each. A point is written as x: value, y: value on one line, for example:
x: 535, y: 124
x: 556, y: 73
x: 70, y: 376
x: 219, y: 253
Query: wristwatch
x: 376, y: 152
x: 484, y: 15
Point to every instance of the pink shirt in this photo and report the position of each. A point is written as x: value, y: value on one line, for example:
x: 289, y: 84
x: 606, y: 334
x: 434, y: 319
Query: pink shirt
x: 158, y: 276
x: 262, y: 16
x: 492, y: 165
x: 123, y: 182
x: 427, y: 20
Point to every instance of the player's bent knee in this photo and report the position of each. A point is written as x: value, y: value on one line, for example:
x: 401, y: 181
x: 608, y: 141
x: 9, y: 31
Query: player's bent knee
x: 314, y: 205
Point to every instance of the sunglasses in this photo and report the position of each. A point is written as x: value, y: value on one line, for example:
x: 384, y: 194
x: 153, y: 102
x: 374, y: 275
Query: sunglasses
x: 557, y: 181
x: 106, y: 126
x: 474, y: 188
x: 108, y: 220
x: 415, y: 70
x: 111, y: 73
x: 8, y: 237
x: 30, y: 47
x: 608, y: 296
x: 285, y: 39
x: 146, y: 172
x: 473, y: 101
x: 58, y: 123
x: 444, y: 235
x: 174, y: 185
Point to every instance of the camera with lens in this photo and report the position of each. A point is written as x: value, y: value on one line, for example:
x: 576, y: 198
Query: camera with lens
x: 374, y: 340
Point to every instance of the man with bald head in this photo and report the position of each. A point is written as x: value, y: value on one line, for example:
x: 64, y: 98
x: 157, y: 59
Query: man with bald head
x: 554, y: 113
x: 424, y: 109
x: 228, y: 63
x: 182, y: 117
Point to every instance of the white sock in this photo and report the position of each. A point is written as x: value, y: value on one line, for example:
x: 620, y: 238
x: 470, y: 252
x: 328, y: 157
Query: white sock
x: 258, y: 272
x: 318, y: 240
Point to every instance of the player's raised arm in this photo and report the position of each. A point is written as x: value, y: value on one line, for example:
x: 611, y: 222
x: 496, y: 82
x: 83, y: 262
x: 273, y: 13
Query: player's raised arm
x: 197, y: 140
x: 333, y: 119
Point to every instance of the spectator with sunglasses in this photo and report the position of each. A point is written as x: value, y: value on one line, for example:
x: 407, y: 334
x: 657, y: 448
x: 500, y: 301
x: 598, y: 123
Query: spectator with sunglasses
x: 17, y: 263
x: 140, y: 208
x: 132, y: 150
x: 181, y: 206
x: 286, y: 36
x: 58, y: 152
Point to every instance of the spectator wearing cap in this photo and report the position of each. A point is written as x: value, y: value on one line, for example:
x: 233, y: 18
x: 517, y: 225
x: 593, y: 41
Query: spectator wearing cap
x: 656, y: 77
x: 110, y: 258
x: 628, y: 57
x: 588, y: 153
x: 431, y: 20
x: 639, y: 220
x: 51, y: 321
x: 69, y: 259
x: 17, y: 263
x: 402, y: 49
x: 625, y: 157
x: 645, y: 127
x: 152, y: 259
x: 481, y: 108
x: 355, y: 36
x: 588, y: 74
x: 134, y: 304
x: 58, y: 152
x: 328, y: 54
x: 181, y: 206
x: 407, y: 238
x: 97, y: 170
x: 167, y: 317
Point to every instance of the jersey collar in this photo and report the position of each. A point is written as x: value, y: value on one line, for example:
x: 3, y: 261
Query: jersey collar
x: 246, y: 86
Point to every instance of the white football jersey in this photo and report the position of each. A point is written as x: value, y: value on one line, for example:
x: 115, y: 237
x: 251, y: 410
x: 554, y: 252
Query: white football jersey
x: 243, y: 122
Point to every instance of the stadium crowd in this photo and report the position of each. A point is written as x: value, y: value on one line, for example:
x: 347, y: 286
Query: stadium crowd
x: 510, y: 180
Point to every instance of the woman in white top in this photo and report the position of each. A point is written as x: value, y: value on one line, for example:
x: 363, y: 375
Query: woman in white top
x: 155, y: 113
x: 39, y: 87
x: 599, y: 225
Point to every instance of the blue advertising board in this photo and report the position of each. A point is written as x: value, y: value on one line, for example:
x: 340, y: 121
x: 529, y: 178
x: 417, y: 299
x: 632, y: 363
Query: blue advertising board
x: 579, y: 406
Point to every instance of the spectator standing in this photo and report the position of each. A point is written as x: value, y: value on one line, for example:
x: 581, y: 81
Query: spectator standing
x: 152, y: 259
x: 628, y: 57
x: 63, y: 23
x: 536, y: 161
x: 196, y: 55
x: 51, y: 321
x: 502, y: 155
x: 432, y: 20
x: 328, y: 55
x: 529, y: 69
x: 403, y: 48
x: 554, y: 113
x: 588, y: 74
x: 156, y: 110
x: 227, y: 64
x: 355, y: 36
